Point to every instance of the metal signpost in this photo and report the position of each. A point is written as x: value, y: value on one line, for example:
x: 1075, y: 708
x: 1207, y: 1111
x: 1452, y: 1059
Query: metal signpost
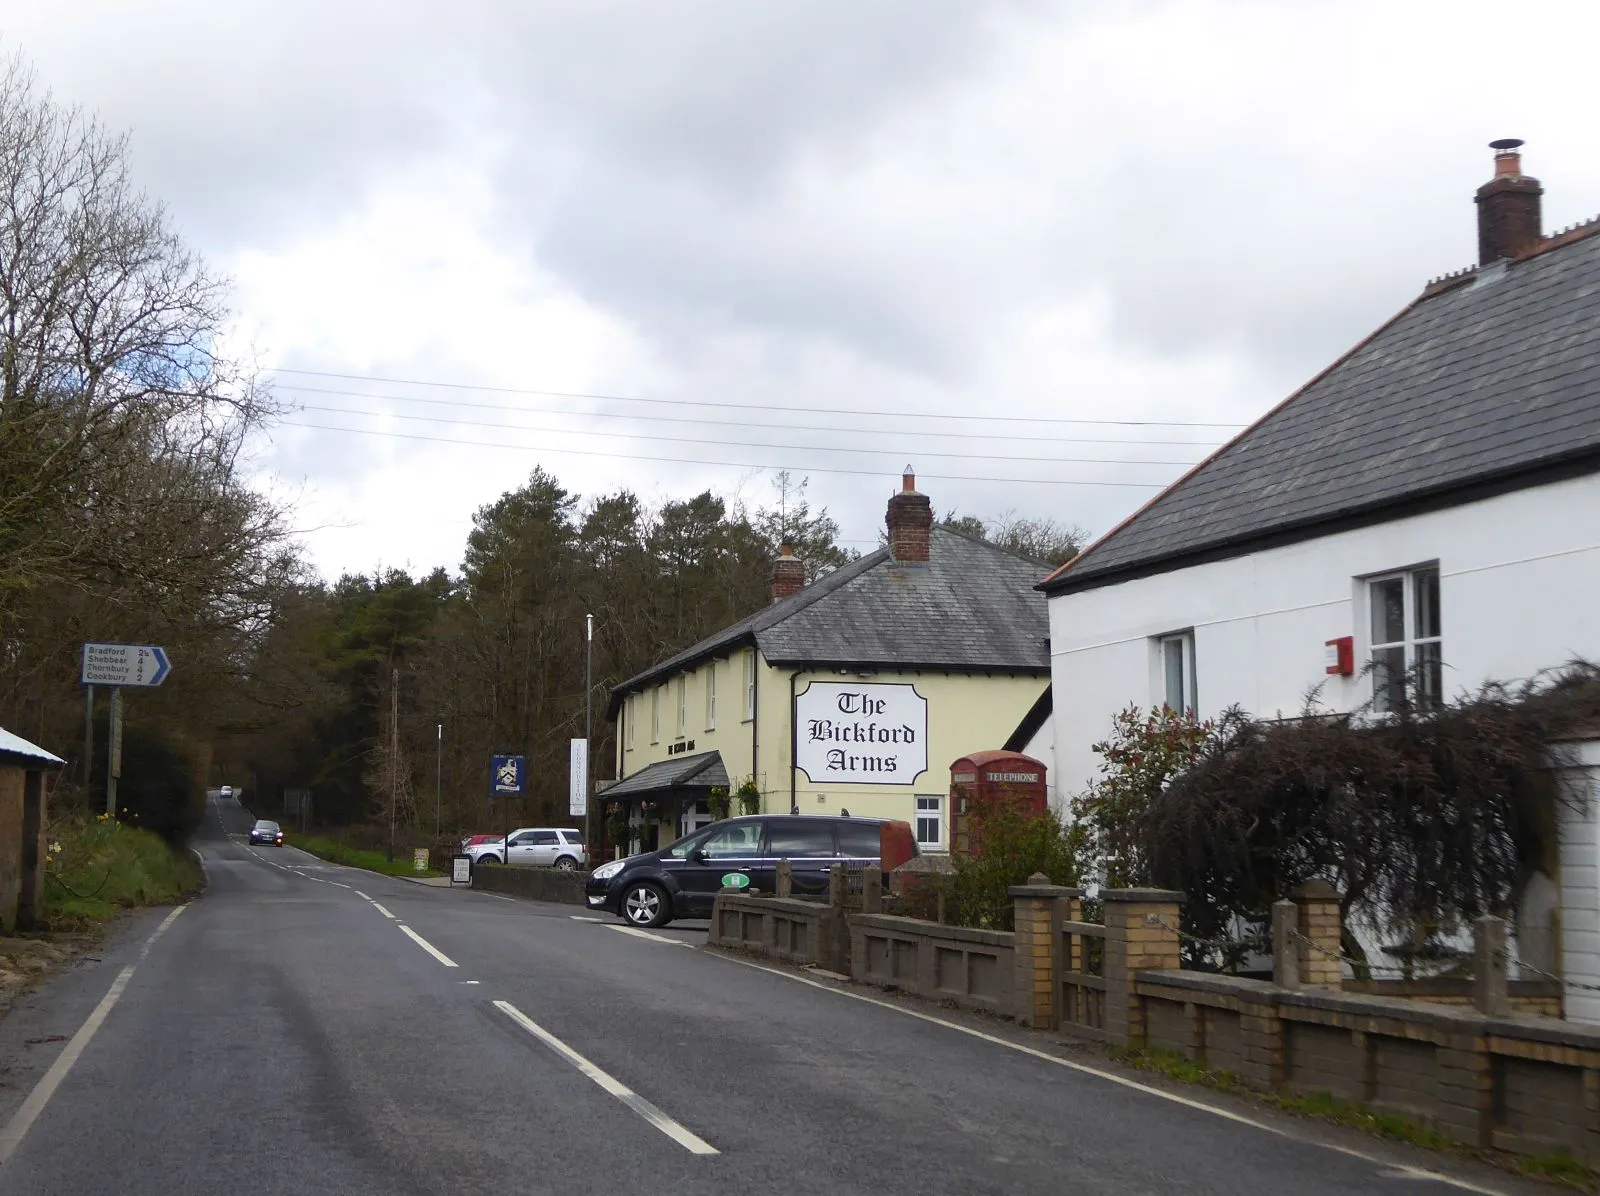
x: 142, y: 666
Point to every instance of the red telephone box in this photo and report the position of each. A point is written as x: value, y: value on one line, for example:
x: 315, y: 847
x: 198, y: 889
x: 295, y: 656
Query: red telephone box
x: 987, y: 780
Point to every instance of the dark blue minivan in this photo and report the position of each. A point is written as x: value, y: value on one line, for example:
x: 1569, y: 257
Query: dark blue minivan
x: 683, y: 879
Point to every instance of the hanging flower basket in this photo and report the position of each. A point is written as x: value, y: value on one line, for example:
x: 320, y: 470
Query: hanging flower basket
x: 749, y: 798
x: 720, y: 801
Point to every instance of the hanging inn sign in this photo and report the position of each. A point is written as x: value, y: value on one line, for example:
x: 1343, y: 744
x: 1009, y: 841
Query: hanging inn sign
x: 861, y: 734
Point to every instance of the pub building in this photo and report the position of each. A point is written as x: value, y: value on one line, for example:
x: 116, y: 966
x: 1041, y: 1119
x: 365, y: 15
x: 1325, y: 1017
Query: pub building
x: 851, y: 694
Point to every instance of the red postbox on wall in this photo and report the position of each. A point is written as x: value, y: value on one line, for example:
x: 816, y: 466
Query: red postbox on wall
x: 987, y: 781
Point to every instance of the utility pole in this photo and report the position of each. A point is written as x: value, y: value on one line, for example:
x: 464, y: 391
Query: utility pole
x: 592, y: 835
x: 394, y: 752
x: 438, y: 785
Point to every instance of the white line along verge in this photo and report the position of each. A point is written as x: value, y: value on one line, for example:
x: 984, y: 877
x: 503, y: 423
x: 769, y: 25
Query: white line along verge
x: 428, y: 947
x: 582, y: 918
x: 381, y: 910
x: 679, y: 1133
x: 23, y: 1118
x: 1124, y: 1081
x: 635, y: 932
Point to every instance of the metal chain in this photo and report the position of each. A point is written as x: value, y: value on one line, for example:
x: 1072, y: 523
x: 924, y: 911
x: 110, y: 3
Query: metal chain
x: 1345, y: 959
x: 1524, y: 966
x: 1254, y: 942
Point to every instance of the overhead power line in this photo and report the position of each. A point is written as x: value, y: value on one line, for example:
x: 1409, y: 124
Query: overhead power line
x: 897, y: 452
x: 739, y: 422
x: 870, y: 473
x: 608, y: 398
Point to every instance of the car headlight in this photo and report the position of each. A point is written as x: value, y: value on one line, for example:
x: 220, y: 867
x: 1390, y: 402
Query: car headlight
x: 607, y: 871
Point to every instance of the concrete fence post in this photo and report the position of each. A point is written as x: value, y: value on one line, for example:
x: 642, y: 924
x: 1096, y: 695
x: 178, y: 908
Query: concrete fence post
x: 1141, y: 935
x: 1321, y: 922
x: 836, y: 886
x: 1037, y: 909
x: 872, y: 889
x: 784, y: 885
x: 1285, y: 947
x: 1491, y: 994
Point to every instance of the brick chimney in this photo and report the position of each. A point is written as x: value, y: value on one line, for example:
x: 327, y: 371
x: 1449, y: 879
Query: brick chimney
x: 788, y: 574
x: 1509, y: 222
x: 910, y: 521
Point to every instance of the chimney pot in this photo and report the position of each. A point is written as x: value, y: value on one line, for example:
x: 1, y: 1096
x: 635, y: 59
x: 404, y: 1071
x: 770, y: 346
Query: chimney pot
x: 788, y: 573
x: 1510, y: 223
x: 910, y: 523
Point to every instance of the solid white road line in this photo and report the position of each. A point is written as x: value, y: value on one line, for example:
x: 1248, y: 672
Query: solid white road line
x: 680, y: 1134
x: 23, y: 1118
x: 582, y: 918
x: 1123, y: 1081
x: 428, y: 947
x: 645, y: 934
x: 381, y: 910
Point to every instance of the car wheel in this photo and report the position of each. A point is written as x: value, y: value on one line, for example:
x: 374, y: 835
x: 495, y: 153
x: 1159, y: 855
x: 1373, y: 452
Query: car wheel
x: 488, y: 859
x: 567, y: 864
x: 646, y: 905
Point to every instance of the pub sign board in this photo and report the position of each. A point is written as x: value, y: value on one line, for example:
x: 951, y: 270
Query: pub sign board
x: 856, y: 734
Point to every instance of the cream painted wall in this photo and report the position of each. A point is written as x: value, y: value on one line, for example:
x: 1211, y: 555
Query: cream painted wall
x: 966, y: 713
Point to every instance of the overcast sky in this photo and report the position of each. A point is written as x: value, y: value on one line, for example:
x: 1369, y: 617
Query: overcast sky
x: 799, y: 212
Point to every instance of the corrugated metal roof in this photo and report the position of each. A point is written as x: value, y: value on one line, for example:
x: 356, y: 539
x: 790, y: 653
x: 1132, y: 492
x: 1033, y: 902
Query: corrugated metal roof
x: 15, y: 745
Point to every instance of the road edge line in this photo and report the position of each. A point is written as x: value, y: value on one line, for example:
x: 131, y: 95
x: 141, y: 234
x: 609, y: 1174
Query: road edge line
x: 1124, y: 1081
x: 36, y: 1101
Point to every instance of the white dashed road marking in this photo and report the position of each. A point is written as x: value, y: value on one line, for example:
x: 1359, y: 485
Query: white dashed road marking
x: 645, y: 934
x: 679, y: 1133
x: 428, y: 947
x: 381, y: 910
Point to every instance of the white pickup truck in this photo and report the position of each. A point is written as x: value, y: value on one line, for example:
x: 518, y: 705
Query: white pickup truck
x: 543, y: 847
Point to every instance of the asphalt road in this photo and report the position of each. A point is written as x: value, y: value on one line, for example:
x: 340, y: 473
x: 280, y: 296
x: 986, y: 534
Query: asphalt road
x: 298, y: 1029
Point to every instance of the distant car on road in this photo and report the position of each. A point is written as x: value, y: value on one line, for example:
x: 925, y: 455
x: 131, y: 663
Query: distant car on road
x: 225, y: 791
x: 683, y: 880
x: 266, y: 832
x: 543, y: 847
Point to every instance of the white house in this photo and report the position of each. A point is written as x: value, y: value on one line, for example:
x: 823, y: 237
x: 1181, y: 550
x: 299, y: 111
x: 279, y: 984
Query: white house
x: 1431, y: 499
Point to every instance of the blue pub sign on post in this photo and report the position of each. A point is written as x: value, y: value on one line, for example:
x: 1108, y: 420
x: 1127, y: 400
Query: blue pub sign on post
x: 507, y: 774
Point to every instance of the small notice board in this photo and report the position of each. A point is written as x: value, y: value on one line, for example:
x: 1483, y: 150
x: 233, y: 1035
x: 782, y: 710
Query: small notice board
x: 461, y: 870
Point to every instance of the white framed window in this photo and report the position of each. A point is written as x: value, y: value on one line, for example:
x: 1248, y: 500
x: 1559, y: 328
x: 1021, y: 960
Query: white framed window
x: 930, y: 821
x: 1175, y: 655
x: 1406, y: 637
x: 655, y: 715
x: 711, y: 696
x: 631, y: 713
x: 683, y: 704
x: 749, y: 685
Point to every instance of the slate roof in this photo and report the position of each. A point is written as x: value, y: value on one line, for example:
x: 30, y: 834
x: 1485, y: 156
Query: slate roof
x: 700, y: 771
x: 31, y: 754
x: 1490, y: 378
x: 973, y: 607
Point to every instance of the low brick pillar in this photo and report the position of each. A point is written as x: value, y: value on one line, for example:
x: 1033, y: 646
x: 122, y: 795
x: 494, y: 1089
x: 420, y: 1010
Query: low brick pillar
x: 1038, y: 907
x: 1322, y: 923
x: 1261, y: 1054
x: 1141, y: 935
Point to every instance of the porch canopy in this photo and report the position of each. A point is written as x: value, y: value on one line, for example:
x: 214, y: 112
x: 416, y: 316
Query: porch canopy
x: 667, y: 794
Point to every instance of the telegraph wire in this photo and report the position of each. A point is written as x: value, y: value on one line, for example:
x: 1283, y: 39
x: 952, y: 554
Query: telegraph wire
x: 734, y: 423
x: 607, y: 398
x: 808, y: 469
x: 470, y: 423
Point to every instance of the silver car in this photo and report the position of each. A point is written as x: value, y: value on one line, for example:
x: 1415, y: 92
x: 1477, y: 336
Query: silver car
x: 543, y: 847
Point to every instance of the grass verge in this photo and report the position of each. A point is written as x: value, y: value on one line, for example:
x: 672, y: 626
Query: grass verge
x: 1324, y: 1106
x: 336, y: 852
x: 97, y: 866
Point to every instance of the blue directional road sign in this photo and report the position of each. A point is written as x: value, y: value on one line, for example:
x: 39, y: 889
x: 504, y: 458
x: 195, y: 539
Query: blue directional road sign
x: 125, y: 664
x: 508, y: 774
